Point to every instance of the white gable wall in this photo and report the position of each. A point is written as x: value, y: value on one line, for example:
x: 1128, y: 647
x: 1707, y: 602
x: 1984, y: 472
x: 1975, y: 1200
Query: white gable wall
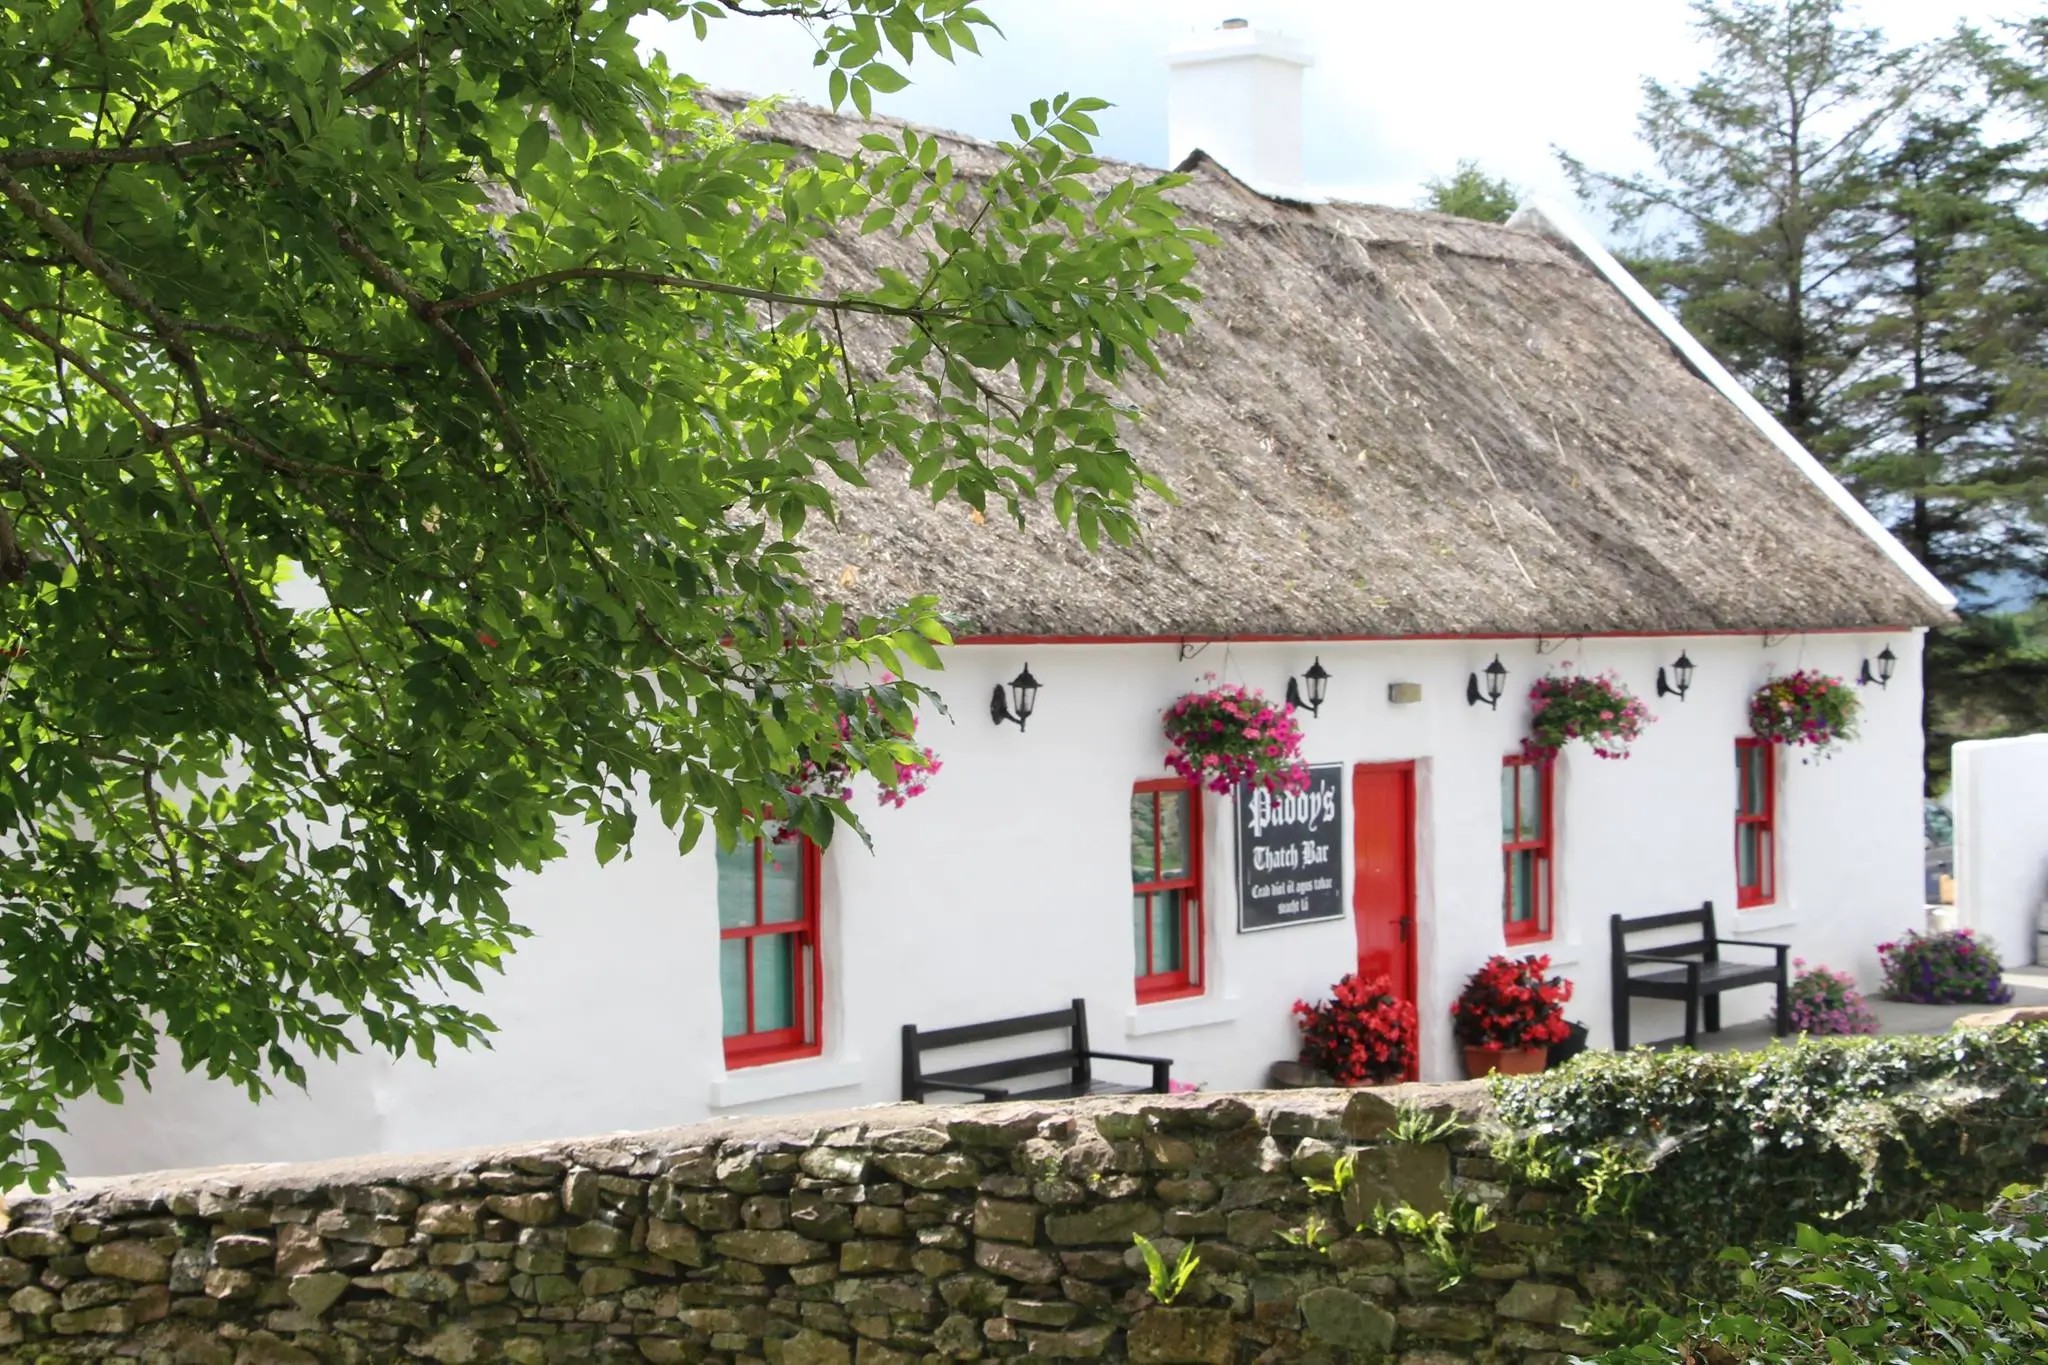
x: 2000, y: 791
x: 1005, y: 890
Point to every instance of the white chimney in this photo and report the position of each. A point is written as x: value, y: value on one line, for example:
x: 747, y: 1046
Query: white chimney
x: 1235, y: 93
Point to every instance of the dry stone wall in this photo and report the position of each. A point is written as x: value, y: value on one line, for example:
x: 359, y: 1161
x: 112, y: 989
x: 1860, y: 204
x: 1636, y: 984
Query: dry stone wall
x: 876, y: 1237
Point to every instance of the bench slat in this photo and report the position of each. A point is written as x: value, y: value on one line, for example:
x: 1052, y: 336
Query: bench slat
x: 1002, y: 1070
x: 962, y: 1034
x: 1714, y: 976
x: 1676, y: 917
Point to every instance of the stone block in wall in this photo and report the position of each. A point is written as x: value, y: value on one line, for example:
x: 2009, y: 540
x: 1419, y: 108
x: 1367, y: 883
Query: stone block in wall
x: 132, y: 1260
x: 1108, y: 1224
x: 868, y: 1257
x: 1026, y: 1265
x: 810, y: 1348
x: 1208, y: 1113
x: 778, y: 1248
x: 1006, y: 1221
x: 1533, y: 1301
x: 938, y: 1171
x: 1337, y: 1317
x: 1182, y: 1336
x: 528, y: 1210
x: 1438, y: 1321
x: 1408, y: 1173
x: 1081, y: 1343
x: 317, y: 1292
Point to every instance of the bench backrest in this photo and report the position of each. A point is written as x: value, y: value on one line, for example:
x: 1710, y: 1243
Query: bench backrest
x: 1706, y: 947
x: 1037, y: 1060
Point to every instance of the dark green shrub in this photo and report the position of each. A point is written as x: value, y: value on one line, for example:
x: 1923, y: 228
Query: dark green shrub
x: 1957, y: 1287
x: 1693, y: 1152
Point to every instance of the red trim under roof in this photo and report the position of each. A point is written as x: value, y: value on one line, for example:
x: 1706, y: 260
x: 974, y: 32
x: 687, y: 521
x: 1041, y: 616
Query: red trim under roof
x: 1393, y: 639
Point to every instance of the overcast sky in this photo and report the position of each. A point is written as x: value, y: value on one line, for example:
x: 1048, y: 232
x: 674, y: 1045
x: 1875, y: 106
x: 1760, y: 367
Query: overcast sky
x: 1400, y: 90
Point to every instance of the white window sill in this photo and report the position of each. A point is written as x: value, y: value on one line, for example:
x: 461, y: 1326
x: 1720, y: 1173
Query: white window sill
x: 1561, y: 952
x: 1764, y: 918
x: 1173, y: 1015
x: 779, y: 1079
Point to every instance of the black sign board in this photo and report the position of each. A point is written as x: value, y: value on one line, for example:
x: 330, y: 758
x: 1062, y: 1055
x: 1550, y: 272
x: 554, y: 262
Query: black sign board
x: 1290, y: 853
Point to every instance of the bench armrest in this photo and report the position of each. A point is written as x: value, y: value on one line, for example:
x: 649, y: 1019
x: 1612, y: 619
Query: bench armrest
x: 1162, y: 1067
x: 1781, y: 948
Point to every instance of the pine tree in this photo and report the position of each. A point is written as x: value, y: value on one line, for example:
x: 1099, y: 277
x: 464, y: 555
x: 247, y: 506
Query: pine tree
x: 1830, y: 215
x: 1758, y: 218
x: 1469, y: 192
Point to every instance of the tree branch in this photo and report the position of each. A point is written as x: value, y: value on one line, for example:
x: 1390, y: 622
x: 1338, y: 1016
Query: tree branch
x: 240, y: 590
x: 13, y: 562
x: 26, y: 325
x: 114, y: 278
x: 388, y: 278
x: 28, y: 158
x: 685, y: 282
x: 214, y: 424
x: 150, y: 803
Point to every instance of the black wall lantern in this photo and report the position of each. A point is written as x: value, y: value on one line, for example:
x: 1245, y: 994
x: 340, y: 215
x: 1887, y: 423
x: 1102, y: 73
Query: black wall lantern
x: 1023, y: 697
x: 1318, y: 680
x: 1886, y: 662
x: 1681, y: 669
x: 1496, y: 683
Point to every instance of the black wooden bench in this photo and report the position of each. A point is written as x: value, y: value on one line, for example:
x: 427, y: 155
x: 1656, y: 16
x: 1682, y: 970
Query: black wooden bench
x: 1074, y: 1058
x: 1691, y: 971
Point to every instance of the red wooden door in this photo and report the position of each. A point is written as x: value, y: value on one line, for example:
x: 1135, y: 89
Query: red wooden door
x: 1383, y: 854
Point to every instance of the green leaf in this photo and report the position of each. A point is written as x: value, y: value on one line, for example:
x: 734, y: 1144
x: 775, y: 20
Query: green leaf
x: 886, y: 79
x: 533, y: 145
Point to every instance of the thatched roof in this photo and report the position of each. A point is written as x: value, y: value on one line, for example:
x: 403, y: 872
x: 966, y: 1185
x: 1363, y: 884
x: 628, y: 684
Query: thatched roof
x: 1388, y: 422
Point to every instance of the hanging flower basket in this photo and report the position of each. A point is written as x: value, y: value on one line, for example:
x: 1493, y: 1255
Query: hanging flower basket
x: 1805, y: 708
x: 1230, y: 736
x: 1572, y: 707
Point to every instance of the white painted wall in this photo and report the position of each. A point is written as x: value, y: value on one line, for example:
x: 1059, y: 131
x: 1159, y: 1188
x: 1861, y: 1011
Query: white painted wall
x: 2000, y: 793
x: 1005, y: 890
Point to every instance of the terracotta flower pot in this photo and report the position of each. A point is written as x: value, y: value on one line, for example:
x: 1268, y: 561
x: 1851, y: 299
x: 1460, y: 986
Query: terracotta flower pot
x: 1510, y: 1061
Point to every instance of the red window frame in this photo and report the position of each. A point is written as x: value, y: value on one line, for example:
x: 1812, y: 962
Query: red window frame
x: 1539, y: 849
x: 1187, y: 979
x: 757, y: 1047
x: 1759, y: 823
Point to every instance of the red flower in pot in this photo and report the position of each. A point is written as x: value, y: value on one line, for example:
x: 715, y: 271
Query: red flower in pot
x: 1509, y: 1014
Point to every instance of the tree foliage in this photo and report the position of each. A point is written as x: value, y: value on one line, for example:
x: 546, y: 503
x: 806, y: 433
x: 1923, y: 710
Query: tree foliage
x: 1761, y: 195
x: 1857, y: 230
x: 409, y: 413
x: 1469, y: 192
x: 1958, y: 1285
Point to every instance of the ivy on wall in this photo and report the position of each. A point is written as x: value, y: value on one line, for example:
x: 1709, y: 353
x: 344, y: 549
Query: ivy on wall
x: 1689, y: 1152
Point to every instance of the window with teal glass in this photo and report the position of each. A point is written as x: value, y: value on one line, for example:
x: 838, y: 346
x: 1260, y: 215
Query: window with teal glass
x: 1166, y: 888
x: 768, y: 952
x: 1526, y: 836
x: 1756, y: 823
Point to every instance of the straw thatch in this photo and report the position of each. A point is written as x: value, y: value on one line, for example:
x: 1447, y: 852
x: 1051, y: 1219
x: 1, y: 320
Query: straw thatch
x: 1388, y: 422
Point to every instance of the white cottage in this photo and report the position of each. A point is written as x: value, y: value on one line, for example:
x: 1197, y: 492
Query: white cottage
x: 1404, y: 446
